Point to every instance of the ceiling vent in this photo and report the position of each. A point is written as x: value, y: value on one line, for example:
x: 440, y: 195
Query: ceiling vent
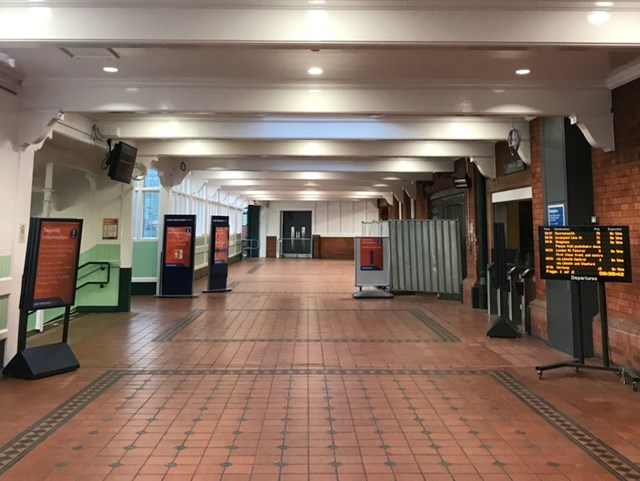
x: 90, y: 53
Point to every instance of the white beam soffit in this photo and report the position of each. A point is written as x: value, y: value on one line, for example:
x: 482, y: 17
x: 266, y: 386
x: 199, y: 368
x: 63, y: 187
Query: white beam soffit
x: 390, y: 166
x: 316, y: 148
x: 221, y: 176
x: 91, y: 95
x: 337, y: 128
x: 117, y: 25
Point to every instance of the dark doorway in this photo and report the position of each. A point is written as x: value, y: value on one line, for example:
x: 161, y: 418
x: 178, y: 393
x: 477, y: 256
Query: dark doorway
x: 452, y: 207
x: 296, y: 234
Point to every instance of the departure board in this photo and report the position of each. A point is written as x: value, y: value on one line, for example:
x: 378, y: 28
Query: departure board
x: 585, y: 253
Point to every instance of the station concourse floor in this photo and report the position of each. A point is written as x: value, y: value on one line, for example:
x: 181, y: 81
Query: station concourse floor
x: 288, y: 378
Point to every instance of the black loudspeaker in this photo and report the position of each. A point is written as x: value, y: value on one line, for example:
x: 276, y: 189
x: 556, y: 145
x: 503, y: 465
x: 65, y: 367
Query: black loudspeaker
x: 42, y: 361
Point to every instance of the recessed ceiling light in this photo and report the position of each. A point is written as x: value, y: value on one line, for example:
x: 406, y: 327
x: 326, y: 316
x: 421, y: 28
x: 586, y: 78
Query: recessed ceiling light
x: 315, y: 71
x: 381, y: 185
x: 391, y: 178
x: 110, y: 69
x: 604, y: 4
x: 523, y: 71
x: 598, y: 18
x: 317, y: 2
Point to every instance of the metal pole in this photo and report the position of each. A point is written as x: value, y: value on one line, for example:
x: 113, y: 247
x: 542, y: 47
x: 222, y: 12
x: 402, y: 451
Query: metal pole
x: 65, y: 328
x: 604, y: 323
x: 580, y: 327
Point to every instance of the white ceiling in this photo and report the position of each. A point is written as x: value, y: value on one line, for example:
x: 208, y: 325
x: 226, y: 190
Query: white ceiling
x: 395, y: 72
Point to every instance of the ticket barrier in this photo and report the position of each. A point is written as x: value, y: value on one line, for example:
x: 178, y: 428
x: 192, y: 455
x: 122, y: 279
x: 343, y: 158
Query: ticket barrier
x: 493, y: 293
x: 519, y: 277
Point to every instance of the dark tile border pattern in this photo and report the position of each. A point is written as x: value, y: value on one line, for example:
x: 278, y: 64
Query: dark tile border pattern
x: 618, y: 465
x: 439, y: 330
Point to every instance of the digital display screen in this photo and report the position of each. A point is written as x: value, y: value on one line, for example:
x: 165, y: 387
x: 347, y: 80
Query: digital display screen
x: 585, y: 253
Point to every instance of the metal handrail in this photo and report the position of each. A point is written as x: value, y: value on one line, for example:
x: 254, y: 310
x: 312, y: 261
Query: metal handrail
x: 249, y: 245
x: 103, y: 266
x: 281, y: 241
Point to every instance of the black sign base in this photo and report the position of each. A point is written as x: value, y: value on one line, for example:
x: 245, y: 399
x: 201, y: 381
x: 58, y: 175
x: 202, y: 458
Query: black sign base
x: 42, y: 361
x: 207, y: 291
x: 503, y: 328
x: 169, y: 296
x: 626, y: 374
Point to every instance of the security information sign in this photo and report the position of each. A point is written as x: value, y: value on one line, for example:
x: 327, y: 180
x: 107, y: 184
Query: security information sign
x: 585, y: 253
x: 51, y: 269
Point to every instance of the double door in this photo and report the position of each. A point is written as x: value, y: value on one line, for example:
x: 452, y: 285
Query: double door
x: 296, y: 234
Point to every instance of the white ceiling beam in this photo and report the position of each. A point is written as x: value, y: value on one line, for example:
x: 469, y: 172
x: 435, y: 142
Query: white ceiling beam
x: 334, y: 128
x: 99, y: 96
x: 220, y: 176
x: 178, y: 25
x: 316, y: 148
x: 390, y: 166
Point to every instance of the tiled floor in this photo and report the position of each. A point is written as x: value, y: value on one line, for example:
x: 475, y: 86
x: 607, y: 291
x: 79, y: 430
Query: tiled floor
x: 289, y: 378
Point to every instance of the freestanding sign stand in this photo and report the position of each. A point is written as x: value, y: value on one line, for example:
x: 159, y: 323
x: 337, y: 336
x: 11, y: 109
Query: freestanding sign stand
x: 218, y: 254
x: 587, y: 254
x: 48, y: 281
x: 373, y: 267
x: 178, y: 250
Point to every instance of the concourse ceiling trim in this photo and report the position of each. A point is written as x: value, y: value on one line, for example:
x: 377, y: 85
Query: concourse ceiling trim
x: 110, y: 26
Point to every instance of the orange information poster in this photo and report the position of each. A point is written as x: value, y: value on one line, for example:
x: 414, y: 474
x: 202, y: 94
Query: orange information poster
x: 178, y: 246
x: 221, y: 246
x: 57, y: 264
x: 371, y: 258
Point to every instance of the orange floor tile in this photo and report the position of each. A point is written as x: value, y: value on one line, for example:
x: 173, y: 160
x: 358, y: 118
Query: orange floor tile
x: 287, y: 377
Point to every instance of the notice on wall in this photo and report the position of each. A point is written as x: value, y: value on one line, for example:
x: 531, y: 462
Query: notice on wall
x: 110, y: 228
x: 56, y: 264
x: 555, y: 215
x: 178, y: 246
x: 221, y: 246
x: 585, y: 253
x: 371, y: 254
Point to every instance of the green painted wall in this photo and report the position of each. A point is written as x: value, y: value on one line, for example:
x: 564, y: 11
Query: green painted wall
x: 145, y: 258
x: 5, y: 266
x: 92, y: 295
x: 4, y: 311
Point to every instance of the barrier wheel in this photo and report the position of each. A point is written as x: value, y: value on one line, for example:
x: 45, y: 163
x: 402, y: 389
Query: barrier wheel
x: 539, y: 374
x: 635, y: 386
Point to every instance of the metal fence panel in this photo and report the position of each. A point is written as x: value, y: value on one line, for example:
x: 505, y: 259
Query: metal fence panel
x: 425, y: 255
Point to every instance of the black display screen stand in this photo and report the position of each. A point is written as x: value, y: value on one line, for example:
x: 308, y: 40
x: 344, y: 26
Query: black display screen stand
x: 626, y: 374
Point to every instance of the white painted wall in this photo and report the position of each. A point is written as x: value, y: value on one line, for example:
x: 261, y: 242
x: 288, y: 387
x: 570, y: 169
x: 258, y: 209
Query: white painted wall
x: 76, y: 198
x: 328, y: 219
x: 15, y: 198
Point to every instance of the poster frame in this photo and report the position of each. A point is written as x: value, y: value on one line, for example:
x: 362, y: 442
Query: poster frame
x: 177, y: 281
x: 29, y: 277
x: 218, y: 271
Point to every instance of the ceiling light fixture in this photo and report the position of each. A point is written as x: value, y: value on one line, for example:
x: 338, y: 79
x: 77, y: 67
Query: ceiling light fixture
x: 604, y: 4
x: 315, y: 71
x: 110, y: 69
x: 523, y: 71
x: 598, y: 17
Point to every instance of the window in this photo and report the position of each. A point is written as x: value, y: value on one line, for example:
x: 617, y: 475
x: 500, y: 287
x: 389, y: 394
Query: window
x: 146, y: 206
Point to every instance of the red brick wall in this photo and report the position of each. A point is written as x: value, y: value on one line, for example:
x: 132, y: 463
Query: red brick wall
x: 538, y: 306
x: 616, y: 179
x: 471, y: 243
x: 336, y: 248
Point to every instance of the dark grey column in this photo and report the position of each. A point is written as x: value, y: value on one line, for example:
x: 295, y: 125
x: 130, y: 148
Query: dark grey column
x: 567, y: 179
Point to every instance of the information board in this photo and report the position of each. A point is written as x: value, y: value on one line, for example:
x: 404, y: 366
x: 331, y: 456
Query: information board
x: 178, y: 249
x: 51, y: 269
x: 585, y: 253
x: 371, y: 254
x: 373, y: 261
x: 218, y: 254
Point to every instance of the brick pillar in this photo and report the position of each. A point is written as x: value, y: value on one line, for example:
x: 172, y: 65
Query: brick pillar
x: 421, y: 202
x: 406, y: 205
x: 395, y: 209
